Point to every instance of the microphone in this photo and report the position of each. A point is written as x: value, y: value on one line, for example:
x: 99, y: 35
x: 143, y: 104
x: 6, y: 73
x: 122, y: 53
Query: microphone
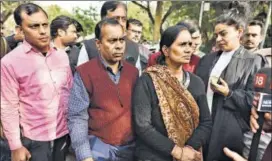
x: 263, y: 88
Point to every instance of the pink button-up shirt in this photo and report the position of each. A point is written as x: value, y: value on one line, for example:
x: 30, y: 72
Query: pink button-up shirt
x: 34, y: 94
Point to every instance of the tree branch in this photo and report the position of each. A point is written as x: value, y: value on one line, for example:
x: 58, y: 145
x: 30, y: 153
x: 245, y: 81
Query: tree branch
x: 147, y: 9
x: 169, y: 11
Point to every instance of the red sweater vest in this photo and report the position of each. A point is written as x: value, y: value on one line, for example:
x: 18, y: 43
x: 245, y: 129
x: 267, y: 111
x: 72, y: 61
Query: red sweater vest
x: 110, y: 103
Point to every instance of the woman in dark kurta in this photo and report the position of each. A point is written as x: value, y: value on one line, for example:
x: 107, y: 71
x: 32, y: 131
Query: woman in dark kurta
x: 170, y: 112
x: 230, y: 97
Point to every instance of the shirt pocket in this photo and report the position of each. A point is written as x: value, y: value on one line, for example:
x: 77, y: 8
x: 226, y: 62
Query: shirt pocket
x: 60, y: 77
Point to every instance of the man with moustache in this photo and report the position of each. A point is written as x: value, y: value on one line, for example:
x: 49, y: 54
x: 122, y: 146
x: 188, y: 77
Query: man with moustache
x: 99, y: 115
x: 35, y: 86
x: 65, y: 32
x: 117, y: 10
x: 254, y: 35
x: 134, y: 33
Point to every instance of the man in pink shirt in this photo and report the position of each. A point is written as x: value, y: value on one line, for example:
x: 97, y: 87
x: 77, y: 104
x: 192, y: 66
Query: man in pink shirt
x: 35, y: 86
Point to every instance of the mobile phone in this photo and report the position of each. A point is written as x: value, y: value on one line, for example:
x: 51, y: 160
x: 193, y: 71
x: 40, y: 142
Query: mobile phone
x: 214, y: 80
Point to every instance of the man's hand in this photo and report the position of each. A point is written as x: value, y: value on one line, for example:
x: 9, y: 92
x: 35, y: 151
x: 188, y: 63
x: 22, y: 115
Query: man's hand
x: 253, y: 120
x: 234, y: 156
x: 21, y: 154
x: 222, y: 88
x: 88, y: 159
x: 254, y: 117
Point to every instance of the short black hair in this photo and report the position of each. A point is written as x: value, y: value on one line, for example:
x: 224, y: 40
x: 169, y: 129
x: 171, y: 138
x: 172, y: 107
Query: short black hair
x: 110, y: 6
x: 134, y: 22
x: 168, y: 38
x: 78, y: 25
x: 63, y: 22
x: 29, y: 9
x: 236, y: 16
x: 191, y: 25
x: 261, y: 17
x: 103, y: 22
x: 257, y: 23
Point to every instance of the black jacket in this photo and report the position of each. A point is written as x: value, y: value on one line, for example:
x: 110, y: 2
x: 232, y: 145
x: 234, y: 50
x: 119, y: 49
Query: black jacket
x: 230, y: 115
x: 131, y: 52
x: 73, y: 54
x: 12, y: 42
x: 152, y: 142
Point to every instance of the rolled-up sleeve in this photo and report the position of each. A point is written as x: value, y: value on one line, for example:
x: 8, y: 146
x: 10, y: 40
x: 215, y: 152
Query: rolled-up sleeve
x: 78, y: 119
x: 10, y: 106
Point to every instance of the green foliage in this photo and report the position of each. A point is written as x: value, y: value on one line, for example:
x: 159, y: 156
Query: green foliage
x: 140, y: 14
x: 87, y: 18
x: 54, y: 10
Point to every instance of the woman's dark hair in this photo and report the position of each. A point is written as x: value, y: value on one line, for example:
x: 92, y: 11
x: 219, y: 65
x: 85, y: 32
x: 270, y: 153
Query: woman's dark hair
x: 110, y: 6
x: 168, y: 38
x: 237, y: 15
x: 29, y: 9
x: 103, y: 22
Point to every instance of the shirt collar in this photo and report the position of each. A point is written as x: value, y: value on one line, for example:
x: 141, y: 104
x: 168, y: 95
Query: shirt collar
x: 66, y: 49
x: 27, y: 47
x: 107, y: 67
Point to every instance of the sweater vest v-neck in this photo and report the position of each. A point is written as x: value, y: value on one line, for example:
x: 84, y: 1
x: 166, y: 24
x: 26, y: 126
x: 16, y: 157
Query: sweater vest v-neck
x: 110, y: 103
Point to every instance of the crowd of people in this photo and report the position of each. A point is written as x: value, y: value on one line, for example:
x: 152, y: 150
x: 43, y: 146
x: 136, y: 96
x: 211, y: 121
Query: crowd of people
x: 110, y: 99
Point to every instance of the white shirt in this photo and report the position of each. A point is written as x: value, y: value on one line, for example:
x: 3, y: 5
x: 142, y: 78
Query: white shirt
x: 83, y: 56
x: 219, y: 67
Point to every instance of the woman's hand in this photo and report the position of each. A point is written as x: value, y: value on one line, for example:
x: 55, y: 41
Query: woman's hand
x: 222, y: 88
x: 189, y: 154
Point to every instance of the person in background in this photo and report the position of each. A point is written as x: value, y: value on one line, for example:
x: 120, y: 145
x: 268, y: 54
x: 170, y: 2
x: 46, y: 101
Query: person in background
x: 64, y: 33
x: 196, y: 40
x: 117, y: 10
x: 15, y: 39
x: 170, y: 111
x: 134, y: 33
x: 228, y: 76
x: 254, y: 35
x: 4, y: 45
x: 35, y: 87
x: 267, y: 126
x: 252, y: 38
x: 99, y: 115
x: 196, y: 37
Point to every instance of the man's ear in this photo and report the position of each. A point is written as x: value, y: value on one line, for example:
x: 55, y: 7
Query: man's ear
x: 61, y: 32
x: 165, y: 51
x: 98, y: 44
x: 240, y: 32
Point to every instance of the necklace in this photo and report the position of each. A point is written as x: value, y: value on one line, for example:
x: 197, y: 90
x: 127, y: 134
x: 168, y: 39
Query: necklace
x: 186, y: 80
